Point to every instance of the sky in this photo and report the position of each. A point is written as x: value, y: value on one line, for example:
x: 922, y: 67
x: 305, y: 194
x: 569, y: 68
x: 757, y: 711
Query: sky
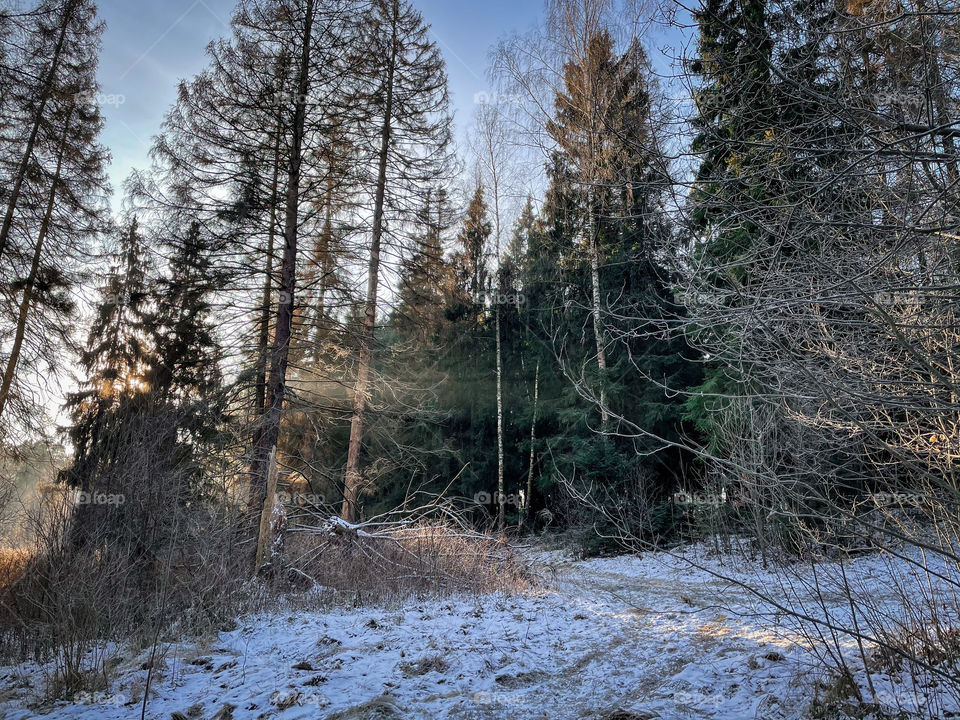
x: 150, y: 45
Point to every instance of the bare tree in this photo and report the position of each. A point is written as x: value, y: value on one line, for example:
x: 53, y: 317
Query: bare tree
x: 408, y: 108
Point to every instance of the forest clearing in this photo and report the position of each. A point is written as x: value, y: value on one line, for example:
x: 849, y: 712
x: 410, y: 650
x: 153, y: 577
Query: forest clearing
x: 649, y: 637
x: 517, y: 359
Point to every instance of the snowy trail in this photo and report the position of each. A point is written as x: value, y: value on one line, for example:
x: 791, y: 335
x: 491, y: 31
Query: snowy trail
x: 644, y: 637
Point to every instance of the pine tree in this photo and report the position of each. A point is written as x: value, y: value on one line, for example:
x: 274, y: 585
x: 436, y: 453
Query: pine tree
x: 470, y: 260
x: 403, y: 95
x: 426, y: 276
x: 185, y: 376
x: 56, y: 194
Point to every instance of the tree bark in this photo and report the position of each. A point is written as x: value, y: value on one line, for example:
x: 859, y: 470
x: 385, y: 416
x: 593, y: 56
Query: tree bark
x: 352, y: 477
x: 323, y: 262
x: 268, y: 432
x: 501, y: 497
x: 533, y: 437
x: 597, y: 327
x: 263, y: 341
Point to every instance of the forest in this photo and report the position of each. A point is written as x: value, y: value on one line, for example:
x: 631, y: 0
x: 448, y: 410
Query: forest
x: 333, y: 349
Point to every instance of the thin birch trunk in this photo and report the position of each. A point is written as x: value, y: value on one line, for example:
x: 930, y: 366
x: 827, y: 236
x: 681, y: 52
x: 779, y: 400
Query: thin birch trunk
x: 597, y: 327
x: 533, y: 437
x: 501, y: 496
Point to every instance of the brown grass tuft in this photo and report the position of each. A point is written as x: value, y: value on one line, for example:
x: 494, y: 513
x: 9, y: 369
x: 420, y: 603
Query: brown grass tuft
x: 13, y: 564
x: 424, y: 559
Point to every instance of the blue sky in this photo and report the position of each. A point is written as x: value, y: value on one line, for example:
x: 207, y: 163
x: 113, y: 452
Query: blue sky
x: 149, y: 45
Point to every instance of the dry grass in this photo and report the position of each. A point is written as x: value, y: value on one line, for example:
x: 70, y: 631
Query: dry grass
x: 13, y: 564
x: 377, y: 564
x: 69, y: 608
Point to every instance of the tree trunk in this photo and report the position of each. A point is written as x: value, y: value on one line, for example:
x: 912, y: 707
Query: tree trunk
x: 263, y: 341
x: 501, y: 497
x: 30, y: 284
x: 265, y: 534
x: 597, y: 329
x: 34, y: 130
x: 352, y: 477
x: 268, y: 432
x: 323, y: 261
x: 533, y: 430
x: 592, y: 229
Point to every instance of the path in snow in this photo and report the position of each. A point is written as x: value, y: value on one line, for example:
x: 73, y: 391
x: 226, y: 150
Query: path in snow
x: 647, y: 636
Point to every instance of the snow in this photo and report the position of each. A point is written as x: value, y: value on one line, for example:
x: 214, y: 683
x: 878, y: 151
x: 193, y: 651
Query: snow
x: 649, y: 635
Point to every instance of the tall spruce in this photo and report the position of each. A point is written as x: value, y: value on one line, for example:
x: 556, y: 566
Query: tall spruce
x: 114, y: 392
x: 55, y: 202
x: 734, y: 114
x: 403, y: 97
x: 426, y: 276
x: 186, y: 373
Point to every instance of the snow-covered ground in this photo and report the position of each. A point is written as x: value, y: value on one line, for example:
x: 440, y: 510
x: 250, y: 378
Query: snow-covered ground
x: 650, y: 636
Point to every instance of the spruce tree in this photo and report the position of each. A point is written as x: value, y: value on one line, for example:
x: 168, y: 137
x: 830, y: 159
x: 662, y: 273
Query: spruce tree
x: 734, y: 116
x: 470, y: 260
x: 425, y: 276
x: 55, y: 195
x: 402, y: 96
x: 597, y: 263
x: 185, y: 376
x: 107, y: 412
